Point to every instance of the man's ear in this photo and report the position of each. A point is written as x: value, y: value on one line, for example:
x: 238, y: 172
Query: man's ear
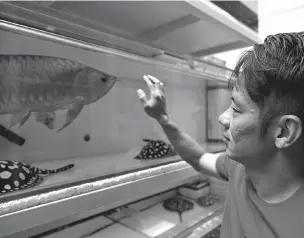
x: 288, y: 131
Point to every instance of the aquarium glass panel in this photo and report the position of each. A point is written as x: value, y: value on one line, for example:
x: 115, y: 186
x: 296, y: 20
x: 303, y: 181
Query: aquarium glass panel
x: 69, y: 111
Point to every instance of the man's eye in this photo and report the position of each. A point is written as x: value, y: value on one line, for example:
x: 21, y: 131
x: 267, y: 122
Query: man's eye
x: 234, y: 109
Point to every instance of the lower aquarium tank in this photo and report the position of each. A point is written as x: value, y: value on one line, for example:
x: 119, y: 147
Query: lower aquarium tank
x: 75, y: 139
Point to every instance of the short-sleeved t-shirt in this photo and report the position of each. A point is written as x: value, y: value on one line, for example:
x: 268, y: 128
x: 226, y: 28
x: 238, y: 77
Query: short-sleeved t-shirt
x: 248, y: 216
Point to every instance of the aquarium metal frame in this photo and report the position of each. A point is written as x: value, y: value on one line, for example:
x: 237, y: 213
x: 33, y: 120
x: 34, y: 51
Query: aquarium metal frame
x: 56, y: 208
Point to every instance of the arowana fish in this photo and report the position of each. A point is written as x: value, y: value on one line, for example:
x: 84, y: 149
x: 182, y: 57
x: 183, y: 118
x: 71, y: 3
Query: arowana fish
x: 43, y: 84
x: 155, y: 149
x: 15, y: 175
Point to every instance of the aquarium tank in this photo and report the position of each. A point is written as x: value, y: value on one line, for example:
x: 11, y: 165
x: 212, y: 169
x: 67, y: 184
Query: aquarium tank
x: 70, y: 118
x: 74, y: 110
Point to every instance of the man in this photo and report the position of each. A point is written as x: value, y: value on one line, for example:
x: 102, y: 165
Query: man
x: 264, y: 158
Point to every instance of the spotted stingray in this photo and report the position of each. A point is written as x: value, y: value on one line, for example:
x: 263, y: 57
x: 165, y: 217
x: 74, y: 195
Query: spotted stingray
x: 178, y: 204
x: 155, y: 149
x: 208, y: 200
x: 15, y: 175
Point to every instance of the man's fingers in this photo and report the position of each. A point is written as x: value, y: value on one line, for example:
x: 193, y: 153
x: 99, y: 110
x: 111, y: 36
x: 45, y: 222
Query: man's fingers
x: 155, y: 80
x: 158, y: 85
x: 149, y: 83
x: 142, y: 96
x: 155, y: 87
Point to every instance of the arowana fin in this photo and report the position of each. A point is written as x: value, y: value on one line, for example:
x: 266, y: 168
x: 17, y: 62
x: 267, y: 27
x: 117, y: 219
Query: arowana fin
x: 20, y: 117
x: 47, y: 119
x: 72, y: 113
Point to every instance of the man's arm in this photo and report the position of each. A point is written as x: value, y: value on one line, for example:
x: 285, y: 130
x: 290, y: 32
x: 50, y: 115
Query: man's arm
x: 185, y: 146
x: 190, y: 151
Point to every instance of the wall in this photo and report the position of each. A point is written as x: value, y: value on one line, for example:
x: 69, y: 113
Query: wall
x: 117, y: 123
x: 218, y: 102
x: 280, y: 16
x: 274, y: 17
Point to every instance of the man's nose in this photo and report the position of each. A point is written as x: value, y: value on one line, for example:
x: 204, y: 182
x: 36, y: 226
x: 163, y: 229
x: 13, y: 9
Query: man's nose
x: 224, y: 119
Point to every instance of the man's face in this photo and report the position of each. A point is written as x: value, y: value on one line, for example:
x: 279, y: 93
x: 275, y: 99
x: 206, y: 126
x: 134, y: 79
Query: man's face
x: 242, y: 131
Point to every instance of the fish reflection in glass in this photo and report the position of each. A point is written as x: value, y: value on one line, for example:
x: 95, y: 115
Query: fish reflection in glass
x: 41, y: 85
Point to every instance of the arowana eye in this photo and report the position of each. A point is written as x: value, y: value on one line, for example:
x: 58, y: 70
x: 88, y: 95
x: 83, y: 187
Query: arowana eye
x: 104, y: 79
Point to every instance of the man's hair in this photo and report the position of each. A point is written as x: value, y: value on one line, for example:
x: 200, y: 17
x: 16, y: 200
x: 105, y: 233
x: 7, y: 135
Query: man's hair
x: 274, y: 76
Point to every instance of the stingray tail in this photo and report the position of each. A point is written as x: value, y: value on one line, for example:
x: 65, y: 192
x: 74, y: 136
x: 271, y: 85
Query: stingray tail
x: 138, y: 156
x: 180, y: 214
x: 53, y: 171
x: 172, y: 151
